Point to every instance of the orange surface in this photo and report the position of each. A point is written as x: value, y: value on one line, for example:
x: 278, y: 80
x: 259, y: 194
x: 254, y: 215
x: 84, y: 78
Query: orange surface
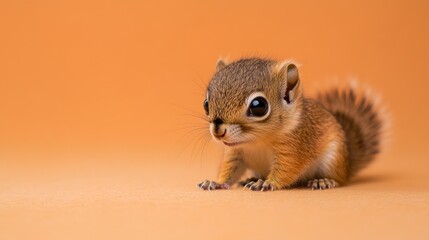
x: 99, y: 128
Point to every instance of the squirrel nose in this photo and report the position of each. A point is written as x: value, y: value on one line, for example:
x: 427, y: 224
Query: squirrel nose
x: 217, y: 123
x: 220, y: 135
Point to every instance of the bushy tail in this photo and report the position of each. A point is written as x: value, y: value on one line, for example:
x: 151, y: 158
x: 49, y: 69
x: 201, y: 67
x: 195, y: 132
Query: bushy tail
x: 362, y: 123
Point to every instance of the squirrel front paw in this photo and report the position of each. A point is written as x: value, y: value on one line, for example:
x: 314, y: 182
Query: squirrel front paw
x: 261, y: 185
x: 212, y: 185
x: 248, y: 180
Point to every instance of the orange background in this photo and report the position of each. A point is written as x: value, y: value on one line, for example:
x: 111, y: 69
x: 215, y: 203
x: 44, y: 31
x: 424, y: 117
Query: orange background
x: 106, y: 83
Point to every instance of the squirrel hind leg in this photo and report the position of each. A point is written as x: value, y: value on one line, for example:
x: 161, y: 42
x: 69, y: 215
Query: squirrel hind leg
x: 322, y: 184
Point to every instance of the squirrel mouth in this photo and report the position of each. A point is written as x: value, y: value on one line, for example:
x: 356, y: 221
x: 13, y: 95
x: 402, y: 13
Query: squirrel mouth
x: 232, y: 144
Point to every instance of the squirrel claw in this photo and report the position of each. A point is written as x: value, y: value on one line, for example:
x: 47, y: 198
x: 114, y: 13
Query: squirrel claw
x: 321, y: 184
x: 212, y: 185
x: 248, y: 180
x: 260, y: 185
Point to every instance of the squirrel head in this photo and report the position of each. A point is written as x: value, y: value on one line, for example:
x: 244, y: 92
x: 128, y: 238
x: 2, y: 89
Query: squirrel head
x: 252, y: 100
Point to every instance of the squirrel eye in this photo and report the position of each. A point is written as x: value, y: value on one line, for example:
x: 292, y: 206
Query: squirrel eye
x: 206, y: 106
x: 258, y: 107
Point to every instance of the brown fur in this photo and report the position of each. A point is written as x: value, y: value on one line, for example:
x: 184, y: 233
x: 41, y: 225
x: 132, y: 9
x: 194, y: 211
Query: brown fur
x: 361, y: 123
x: 300, y: 139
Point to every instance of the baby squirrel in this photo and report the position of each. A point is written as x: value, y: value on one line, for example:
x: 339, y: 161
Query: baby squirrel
x: 257, y: 109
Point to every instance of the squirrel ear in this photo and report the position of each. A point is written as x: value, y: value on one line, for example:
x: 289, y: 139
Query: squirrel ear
x: 290, y: 78
x: 220, y: 64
